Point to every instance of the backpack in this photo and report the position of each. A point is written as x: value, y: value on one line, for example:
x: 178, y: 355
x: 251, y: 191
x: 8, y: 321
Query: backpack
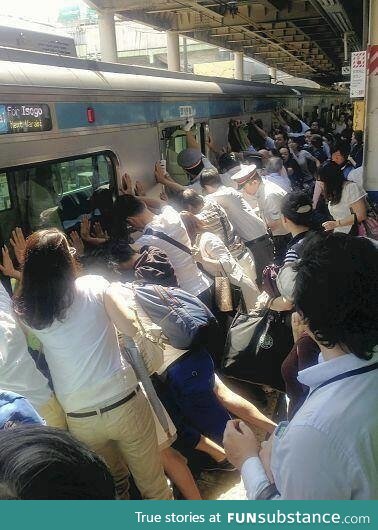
x: 183, y: 318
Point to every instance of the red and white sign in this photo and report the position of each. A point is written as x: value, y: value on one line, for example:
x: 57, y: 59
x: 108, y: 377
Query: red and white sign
x: 358, y: 75
x: 373, y: 60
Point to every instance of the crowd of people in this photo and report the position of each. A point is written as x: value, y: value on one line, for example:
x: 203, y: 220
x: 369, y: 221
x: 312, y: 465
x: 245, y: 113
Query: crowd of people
x: 119, y: 375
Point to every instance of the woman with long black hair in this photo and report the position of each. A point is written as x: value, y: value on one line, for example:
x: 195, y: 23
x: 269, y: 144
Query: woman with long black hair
x: 346, y: 199
x: 97, y: 389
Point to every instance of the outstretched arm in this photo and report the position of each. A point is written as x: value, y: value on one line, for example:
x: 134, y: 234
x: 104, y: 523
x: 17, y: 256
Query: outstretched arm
x: 119, y: 312
x: 163, y: 178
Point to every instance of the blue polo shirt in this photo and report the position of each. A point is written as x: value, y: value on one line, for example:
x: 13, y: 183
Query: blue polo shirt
x: 16, y: 410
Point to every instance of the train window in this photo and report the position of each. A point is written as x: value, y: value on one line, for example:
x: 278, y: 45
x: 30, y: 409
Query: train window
x: 5, y: 200
x: 174, y: 141
x: 59, y: 193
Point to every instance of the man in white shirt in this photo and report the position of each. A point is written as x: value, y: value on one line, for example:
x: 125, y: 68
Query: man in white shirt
x: 167, y: 232
x: 18, y: 372
x: 269, y: 197
x: 329, y: 450
x: 247, y: 225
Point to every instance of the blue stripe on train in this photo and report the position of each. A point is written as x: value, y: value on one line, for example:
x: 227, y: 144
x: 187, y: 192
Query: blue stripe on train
x: 72, y: 115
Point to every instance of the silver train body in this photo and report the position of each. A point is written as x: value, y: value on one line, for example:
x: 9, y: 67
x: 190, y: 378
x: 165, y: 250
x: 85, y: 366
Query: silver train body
x: 69, y: 125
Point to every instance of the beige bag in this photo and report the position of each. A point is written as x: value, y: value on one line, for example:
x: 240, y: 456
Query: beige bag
x: 223, y: 294
x: 149, y: 340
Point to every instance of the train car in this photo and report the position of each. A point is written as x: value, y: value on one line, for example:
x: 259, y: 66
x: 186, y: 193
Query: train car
x: 68, y: 126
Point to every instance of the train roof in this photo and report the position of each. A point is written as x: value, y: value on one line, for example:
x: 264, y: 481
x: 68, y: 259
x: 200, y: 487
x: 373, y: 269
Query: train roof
x: 23, y: 68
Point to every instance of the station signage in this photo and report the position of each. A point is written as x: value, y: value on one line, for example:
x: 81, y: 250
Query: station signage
x: 24, y: 118
x: 358, y: 75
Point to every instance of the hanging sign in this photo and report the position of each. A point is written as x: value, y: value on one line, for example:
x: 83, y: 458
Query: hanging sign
x: 358, y: 75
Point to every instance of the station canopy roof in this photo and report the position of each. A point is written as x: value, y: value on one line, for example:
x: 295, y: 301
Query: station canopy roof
x: 304, y: 38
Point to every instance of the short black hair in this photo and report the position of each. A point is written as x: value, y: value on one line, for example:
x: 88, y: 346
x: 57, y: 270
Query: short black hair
x: 227, y: 161
x: 317, y: 141
x: 359, y: 136
x: 191, y: 198
x: 120, y: 251
x: 343, y: 148
x: 127, y: 206
x: 336, y: 290
x: 210, y: 177
x: 41, y: 463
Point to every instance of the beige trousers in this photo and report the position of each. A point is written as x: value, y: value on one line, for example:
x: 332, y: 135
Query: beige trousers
x: 53, y: 414
x: 129, y: 430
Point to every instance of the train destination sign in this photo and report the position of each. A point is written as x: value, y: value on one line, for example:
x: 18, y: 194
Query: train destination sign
x: 24, y: 118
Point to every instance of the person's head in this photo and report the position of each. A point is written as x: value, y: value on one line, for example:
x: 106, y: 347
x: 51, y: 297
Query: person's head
x: 280, y: 140
x: 342, y: 117
x: 274, y: 165
x: 227, y: 161
x: 48, y: 279
x: 132, y: 210
x: 265, y: 154
x: 297, y: 212
x: 358, y: 137
x: 296, y: 144
x: 190, y: 160
x: 285, y: 154
x: 315, y: 129
x: 331, y: 175
x: 121, y: 255
x: 193, y: 225
x: 308, y: 136
x: 44, y: 463
x: 192, y: 201
x: 102, y: 199
x: 340, y: 154
x: 210, y: 180
x: 236, y: 122
x: 334, y: 292
x: 349, y: 122
x: 317, y: 141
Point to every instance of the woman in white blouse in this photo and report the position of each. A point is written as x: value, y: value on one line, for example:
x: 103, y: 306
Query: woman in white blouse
x: 346, y: 199
x: 217, y: 259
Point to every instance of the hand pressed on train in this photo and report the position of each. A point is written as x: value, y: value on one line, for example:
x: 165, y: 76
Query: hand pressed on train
x: 18, y: 243
x: 99, y: 231
x: 139, y: 189
x: 160, y: 173
x: 77, y: 243
x: 85, y: 228
x: 7, y: 268
x: 126, y: 187
x: 239, y: 443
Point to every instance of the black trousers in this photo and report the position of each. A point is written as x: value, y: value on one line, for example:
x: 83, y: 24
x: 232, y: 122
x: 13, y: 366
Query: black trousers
x: 263, y: 255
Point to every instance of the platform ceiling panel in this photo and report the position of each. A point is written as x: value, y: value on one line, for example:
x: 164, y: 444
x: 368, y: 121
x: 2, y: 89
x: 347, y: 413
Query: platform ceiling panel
x: 301, y: 37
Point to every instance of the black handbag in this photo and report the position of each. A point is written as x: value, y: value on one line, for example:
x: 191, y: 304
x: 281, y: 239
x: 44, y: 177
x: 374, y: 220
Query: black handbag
x: 256, y: 346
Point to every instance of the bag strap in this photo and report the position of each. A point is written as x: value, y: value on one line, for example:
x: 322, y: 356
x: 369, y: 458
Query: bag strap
x: 345, y: 375
x: 168, y: 239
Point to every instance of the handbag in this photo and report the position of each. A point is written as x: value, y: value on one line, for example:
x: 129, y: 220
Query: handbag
x: 256, y: 346
x: 223, y: 292
x: 369, y: 227
x: 150, y: 343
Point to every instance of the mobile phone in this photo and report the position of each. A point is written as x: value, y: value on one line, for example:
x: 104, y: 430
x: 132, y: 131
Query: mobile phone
x: 163, y: 165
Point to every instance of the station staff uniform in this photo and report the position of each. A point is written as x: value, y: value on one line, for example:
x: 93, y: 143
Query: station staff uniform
x: 269, y: 199
x: 247, y: 225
